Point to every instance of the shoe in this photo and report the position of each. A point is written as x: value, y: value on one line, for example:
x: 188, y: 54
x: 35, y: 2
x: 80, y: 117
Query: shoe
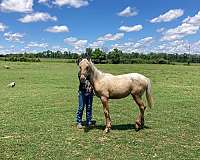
x: 79, y: 126
x: 92, y: 123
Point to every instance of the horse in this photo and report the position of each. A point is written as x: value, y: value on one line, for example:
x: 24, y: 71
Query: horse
x: 107, y: 86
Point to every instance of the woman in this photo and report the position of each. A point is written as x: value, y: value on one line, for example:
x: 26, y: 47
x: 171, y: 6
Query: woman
x: 85, y: 98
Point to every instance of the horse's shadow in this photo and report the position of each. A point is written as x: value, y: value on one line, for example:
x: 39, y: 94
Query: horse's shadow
x: 117, y: 127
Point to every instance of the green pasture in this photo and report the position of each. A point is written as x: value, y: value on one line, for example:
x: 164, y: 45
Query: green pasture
x: 37, y: 116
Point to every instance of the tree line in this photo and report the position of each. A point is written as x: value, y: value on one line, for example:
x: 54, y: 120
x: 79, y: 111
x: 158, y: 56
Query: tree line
x: 115, y: 56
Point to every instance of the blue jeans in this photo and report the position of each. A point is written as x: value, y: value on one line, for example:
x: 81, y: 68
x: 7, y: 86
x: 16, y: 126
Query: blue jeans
x: 84, y: 99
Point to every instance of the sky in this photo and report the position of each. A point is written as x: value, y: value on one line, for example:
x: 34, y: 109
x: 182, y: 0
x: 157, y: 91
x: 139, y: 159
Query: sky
x: 170, y: 26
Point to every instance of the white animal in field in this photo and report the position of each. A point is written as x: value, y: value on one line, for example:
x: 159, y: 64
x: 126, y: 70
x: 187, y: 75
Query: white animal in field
x: 6, y: 67
x: 12, y: 84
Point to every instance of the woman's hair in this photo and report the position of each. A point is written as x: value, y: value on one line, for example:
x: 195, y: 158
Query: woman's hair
x: 78, y: 60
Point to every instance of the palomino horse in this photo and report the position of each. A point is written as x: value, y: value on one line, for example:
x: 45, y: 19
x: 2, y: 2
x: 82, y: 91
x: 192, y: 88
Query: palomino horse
x: 108, y: 86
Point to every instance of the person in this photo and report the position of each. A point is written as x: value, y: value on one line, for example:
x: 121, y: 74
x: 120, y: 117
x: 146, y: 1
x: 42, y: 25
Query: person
x: 85, y: 98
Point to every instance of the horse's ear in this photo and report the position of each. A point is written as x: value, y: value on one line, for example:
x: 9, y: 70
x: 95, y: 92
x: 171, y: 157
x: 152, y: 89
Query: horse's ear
x: 89, y: 59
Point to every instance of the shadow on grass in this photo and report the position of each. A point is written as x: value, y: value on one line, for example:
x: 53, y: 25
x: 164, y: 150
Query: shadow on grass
x: 116, y: 127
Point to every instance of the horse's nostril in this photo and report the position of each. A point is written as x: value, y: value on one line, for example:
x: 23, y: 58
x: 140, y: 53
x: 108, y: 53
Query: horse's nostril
x: 82, y: 78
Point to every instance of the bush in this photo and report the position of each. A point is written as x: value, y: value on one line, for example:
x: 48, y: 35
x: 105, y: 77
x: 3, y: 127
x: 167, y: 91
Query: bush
x: 138, y: 61
x: 162, y: 61
x: 71, y: 61
x: 21, y: 59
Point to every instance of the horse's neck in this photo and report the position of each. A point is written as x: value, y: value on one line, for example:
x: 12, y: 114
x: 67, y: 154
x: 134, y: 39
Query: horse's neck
x: 95, y: 74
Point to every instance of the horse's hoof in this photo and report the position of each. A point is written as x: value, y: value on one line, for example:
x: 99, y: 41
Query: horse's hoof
x: 142, y: 123
x: 106, y: 131
x: 137, y: 126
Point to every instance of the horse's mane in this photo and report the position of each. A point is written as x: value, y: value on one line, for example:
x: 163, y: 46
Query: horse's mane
x: 94, y: 68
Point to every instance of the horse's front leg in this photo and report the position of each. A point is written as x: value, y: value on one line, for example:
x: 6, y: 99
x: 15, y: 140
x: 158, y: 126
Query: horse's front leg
x: 104, y: 101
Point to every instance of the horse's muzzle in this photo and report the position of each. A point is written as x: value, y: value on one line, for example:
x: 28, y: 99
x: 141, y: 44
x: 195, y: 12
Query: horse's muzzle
x: 82, y: 78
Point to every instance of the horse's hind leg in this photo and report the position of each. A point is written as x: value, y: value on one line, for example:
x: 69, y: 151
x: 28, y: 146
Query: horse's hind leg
x: 139, y: 123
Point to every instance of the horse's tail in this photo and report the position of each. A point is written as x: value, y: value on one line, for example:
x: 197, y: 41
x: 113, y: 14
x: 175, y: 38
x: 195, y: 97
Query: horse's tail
x: 149, y: 94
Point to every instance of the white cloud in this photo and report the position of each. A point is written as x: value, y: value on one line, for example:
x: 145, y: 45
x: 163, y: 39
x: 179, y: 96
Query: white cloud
x: 64, y: 49
x: 75, y: 42
x: 57, y: 29
x: 180, y: 47
x: 78, y: 44
x: 126, y: 47
x: 197, y: 43
x: 110, y: 37
x: 59, y: 48
x: 195, y: 20
x: 143, y: 43
x: 23, y: 50
x: 146, y: 40
x: 72, y: 3
x: 38, y: 16
x: 2, y: 27
x: 16, y: 5
x: 189, y: 26
x: 177, y: 46
x: 195, y: 47
x: 138, y: 46
x: 35, y: 44
x: 56, y: 47
x: 5, y: 51
x: 160, y: 30
x: 180, y: 32
x: 1, y: 47
x: 168, y: 16
x: 43, y: 1
x: 135, y: 28
x: 128, y: 12
x: 97, y: 44
x: 14, y: 37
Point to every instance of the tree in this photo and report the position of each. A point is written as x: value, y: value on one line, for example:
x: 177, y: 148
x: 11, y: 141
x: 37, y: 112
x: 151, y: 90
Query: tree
x: 88, y: 52
x: 98, y: 56
x: 115, y: 56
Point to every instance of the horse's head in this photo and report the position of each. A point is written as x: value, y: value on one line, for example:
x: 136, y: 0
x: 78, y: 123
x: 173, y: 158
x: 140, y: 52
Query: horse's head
x: 85, y: 68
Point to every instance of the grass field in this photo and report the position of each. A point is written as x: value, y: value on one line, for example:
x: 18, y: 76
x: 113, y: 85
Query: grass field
x: 37, y: 116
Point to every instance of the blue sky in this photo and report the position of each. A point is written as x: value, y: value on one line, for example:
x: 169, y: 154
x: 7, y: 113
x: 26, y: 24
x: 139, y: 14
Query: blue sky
x: 73, y: 25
